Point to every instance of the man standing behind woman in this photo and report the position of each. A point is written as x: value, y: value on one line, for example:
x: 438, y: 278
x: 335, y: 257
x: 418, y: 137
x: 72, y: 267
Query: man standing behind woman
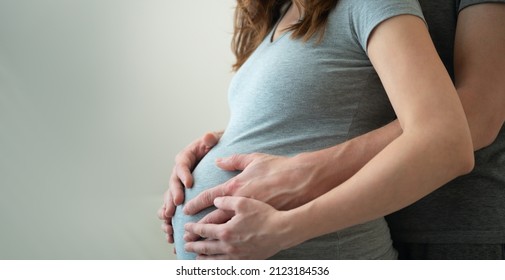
x: 461, y: 220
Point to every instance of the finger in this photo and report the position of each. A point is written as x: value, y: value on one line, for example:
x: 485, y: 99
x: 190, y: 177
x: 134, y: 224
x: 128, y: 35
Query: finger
x: 236, y: 204
x: 161, y: 212
x: 213, y: 257
x: 183, y: 171
x: 215, y: 217
x: 206, y: 199
x: 210, y: 139
x: 167, y: 228
x: 190, y: 237
x: 187, y: 159
x: 203, y: 230
x: 176, y: 189
x: 205, y: 247
x: 236, y: 162
x: 169, y: 206
x: 170, y: 238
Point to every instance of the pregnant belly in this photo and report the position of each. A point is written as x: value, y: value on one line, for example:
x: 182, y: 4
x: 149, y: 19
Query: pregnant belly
x: 206, y: 175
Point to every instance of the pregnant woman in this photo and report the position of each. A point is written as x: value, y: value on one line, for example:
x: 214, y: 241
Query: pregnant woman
x: 312, y: 74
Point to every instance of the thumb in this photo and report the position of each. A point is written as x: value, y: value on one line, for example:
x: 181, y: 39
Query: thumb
x: 236, y: 162
x: 210, y: 139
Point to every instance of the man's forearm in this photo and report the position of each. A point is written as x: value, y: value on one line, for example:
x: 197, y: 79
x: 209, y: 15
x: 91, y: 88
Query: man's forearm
x: 338, y: 163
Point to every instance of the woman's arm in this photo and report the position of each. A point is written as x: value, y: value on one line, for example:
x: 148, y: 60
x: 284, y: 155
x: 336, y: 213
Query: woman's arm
x: 435, y: 147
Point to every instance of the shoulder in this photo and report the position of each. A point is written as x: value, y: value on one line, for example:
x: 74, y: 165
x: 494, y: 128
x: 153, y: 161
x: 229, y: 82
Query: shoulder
x: 365, y: 15
x: 466, y: 3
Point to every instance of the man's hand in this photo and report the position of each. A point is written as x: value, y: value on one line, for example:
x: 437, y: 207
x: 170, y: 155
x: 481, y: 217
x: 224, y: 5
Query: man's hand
x: 181, y: 177
x: 282, y: 182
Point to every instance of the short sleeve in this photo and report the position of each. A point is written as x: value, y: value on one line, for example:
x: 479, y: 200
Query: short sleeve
x: 366, y: 15
x: 467, y: 3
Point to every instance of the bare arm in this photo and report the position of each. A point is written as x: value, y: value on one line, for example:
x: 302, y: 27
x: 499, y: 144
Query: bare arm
x: 479, y: 58
x: 435, y: 147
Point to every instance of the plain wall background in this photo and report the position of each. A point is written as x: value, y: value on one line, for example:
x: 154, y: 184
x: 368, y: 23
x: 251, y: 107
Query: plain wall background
x: 96, y: 99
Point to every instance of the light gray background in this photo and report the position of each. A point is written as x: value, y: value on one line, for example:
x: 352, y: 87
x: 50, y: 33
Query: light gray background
x: 96, y: 98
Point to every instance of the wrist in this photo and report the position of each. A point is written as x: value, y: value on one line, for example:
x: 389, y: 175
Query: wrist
x: 320, y: 166
x: 295, y: 227
x: 327, y: 168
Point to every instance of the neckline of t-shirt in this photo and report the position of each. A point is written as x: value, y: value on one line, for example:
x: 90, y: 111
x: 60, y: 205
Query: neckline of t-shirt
x: 271, y: 40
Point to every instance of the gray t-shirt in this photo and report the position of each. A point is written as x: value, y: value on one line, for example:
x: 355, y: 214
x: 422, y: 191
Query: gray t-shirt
x: 470, y: 209
x: 292, y: 96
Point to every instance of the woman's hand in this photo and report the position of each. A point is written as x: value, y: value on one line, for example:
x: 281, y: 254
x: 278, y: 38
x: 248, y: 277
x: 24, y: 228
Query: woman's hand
x: 181, y: 177
x: 256, y: 231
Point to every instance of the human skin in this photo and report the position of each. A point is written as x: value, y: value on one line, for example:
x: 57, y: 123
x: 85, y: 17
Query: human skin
x: 485, y: 117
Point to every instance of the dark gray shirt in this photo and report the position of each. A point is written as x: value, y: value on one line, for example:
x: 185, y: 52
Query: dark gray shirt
x: 470, y: 209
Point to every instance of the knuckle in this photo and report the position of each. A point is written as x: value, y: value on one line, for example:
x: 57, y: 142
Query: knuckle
x: 235, y: 158
x: 161, y: 214
x: 202, y: 232
x: 207, y: 197
x: 192, y: 237
x: 182, y: 154
x: 179, y: 156
x: 204, y: 250
x: 170, y: 211
x: 241, y: 204
x: 232, y: 250
x: 174, y: 181
x: 231, y: 186
x: 173, y: 186
x: 209, y: 219
x: 256, y: 155
x: 168, y: 198
x: 225, y: 235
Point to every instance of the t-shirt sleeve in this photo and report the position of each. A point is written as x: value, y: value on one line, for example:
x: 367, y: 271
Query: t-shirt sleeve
x: 466, y: 3
x: 366, y: 15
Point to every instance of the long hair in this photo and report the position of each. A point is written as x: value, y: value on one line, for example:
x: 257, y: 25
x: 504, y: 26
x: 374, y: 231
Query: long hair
x: 255, y: 18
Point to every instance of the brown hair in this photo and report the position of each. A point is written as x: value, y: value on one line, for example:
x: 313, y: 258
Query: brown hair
x: 255, y: 18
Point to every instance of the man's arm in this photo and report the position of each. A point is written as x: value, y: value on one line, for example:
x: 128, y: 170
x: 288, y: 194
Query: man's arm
x: 479, y: 58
